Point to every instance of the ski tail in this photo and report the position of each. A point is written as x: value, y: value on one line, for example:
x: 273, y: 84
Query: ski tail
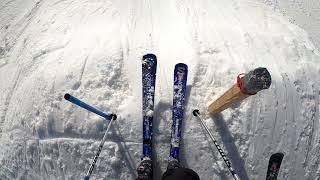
x: 179, y: 93
x: 274, y: 166
x: 145, y: 169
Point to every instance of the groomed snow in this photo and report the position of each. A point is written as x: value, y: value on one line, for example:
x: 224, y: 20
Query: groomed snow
x: 93, y: 49
x: 303, y: 13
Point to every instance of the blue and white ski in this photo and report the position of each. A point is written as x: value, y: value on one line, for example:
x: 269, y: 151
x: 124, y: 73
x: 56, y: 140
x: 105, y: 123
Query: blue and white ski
x: 149, y: 69
x: 179, y: 93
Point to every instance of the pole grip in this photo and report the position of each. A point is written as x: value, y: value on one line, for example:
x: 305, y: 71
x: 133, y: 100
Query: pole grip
x: 82, y: 104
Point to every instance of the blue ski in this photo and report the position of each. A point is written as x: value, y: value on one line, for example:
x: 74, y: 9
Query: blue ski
x: 149, y: 69
x: 179, y: 93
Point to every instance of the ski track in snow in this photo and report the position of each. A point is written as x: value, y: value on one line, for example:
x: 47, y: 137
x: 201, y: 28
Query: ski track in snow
x: 93, y: 50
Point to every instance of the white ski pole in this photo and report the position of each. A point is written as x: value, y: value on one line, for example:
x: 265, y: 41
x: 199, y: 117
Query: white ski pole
x: 196, y: 113
x: 94, y: 160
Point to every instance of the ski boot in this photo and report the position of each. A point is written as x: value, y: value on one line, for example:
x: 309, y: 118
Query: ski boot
x: 145, y: 169
x: 173, y: 164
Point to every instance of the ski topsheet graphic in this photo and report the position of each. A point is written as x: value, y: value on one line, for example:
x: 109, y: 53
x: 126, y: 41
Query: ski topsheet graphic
x: 179, y: 93
x: 149, y: 68
x: 274, y: 166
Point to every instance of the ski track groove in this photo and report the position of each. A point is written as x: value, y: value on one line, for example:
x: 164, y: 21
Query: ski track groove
x: 58, y: 2
x: 290, y: 108
x: 285, y: 89
x: 275, y: 119
x: 317, y: 106
x: 255, y: 135
x: 27, y: 18
x: 317, y: 113
x: 71, y: 138
x: 305, y: 132
x: 5, y: 4
x: 35, y: 60
x: 250, y: 129
x: 83, y: 68
x: 49, y: 51
x: 7, y: 102
x: 310, y: 138
x: 317, y: 148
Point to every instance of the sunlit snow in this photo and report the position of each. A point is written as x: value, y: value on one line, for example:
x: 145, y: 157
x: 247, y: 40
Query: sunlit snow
x: 93, y: 50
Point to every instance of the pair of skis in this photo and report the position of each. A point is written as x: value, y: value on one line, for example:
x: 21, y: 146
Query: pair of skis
x: 145, y: 172
x: 149, y: 69
x: 145, y: 169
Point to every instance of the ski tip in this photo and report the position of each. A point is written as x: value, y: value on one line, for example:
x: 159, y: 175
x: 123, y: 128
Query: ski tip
x: 196, y: 112
x: 278, y: 155
x: 67, y: 96
x: 149, y: 56
x: 181, y: 65
x: 114, y: 116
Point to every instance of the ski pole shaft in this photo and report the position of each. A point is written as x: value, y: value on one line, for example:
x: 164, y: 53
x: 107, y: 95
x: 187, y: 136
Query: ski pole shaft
x: 82, y: 104
x: 94, y: 160
x: 196, y: 113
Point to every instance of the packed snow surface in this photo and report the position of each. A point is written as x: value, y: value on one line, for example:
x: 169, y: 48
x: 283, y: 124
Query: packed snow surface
x: 304, y: 13
x: 92, y: 49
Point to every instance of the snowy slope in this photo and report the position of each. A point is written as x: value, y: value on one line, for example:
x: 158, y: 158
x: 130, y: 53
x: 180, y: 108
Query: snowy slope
x: 92, y: 50
x: 303, y: 13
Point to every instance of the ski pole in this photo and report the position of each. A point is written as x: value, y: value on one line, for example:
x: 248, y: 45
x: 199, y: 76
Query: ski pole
x: 94, y: 160
x: 196, y: 113
x: 82, y: 104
